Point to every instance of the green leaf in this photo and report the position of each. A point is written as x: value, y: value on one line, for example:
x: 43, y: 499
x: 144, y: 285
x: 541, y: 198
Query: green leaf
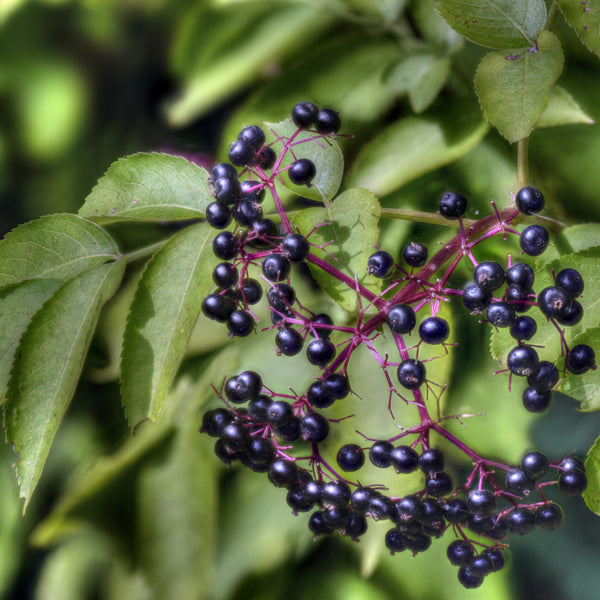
x: 421, y: 76
x: 584, y: 18
x: 563, y: 110
x: 514, y: 89
x: 585, y: 387
x: 166, y: 306
x: 591, y: 494
x: 433, y: 28
x: 17, y: 307
x: 352, y: 223
x: 583, y: 236
x: 500, y: 24
x: 221, y: 51
x: 413, y: 146
x: 48, y: 364
x: 53, y: 247
x: 149, y: 187
x: 325, y: 154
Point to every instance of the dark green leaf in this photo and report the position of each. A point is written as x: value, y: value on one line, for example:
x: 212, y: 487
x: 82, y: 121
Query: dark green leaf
x: 166, y: 306
x: 149, y: 187
x: 586, y: 387
x: 498, y: 24
x: 352, y: 224
x: 584, y: 18
x: 48, y: 364
x: 53, y: 247
x: 324, y: 153
x: 514, y: 88
x: 413, y: 146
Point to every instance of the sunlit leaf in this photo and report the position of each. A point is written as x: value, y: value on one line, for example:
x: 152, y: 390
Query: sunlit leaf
x: 585, y: 387
x: 584, y: 18
x: 562, y: 110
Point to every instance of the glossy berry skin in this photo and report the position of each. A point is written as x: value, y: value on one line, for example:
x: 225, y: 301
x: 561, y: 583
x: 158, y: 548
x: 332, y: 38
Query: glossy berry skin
x: 574, y: 315
x: 225, y: 245
x: 395, y: 540
x: 535, y: 401
x: 314, y: 427
x: 218, y: 308
x: 453, y: 206
x: 266, y: 158
x: 408, y: 509
x: 350, y: 457
x: 468, y: 579
x: 439, y: 485
x: 225, y: 275
x: 520, y: 521
x: 253, y: 135
x: 523, y: 328
x: 295, y: 247
x: 571, y: 463
x: 518, y: 483
x: 401, y: 318
x: 456, y: 511
x: 572, y: 483
x: 279, y: 413
x: 251, y: 291
x: 549, y: 516
x: 380, y: 264
x: 475, y: 299
x: 302, y: 171
x: 522, y: 361
x: 241, y: 153
x: 223, y: 170
x: 520, y: 299
x: 319, y: 396
x: 218, y: 216
x: 214, y: 421
x: 380, y: 454
x: 431, y: 461
x: 404, y: 459
x: 246, y: 212
x: 276, y: 267
x: 337, y: 384
x: 320, y: 352
x: 480, y: 565
x: 289, y: 341
x: 581, y: 359
x: 489, y: 276
x: 534, y: 240
x: 434, y: 330
x: 304, y: 114
x: 496, y: 556
x: 544, y: 377
x: 529, y: 200
x: 336, y: 493
x: 328, y: 121
x: 361, y: 499
x: 252, y: 190
x: 240, y: 323
x: 554, y: 302
x: 411, y: 373
x: 415, y: 254
x: 265, y: 229
x: 227, y: 190
x: 501, y: 314
x: 283, y: 473
x: 321, y: 319
x: 281, y: 297
x: 570, y: 281
x: 235, y: 437
x: 316, y: 523
x: 459, y: 552
x: 481, y: 502
x: 521, y: 275
x: 534, y: 464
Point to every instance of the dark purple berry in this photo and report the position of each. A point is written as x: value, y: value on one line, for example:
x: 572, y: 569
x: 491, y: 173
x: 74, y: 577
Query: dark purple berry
x: 459, y: 552
x: 411, y: 373
x: 295, y: 247
x: 350, y: 457
x: 554, y: 302
x: 314, y: 427
x: 572, y: 483
x: 571, y: 281
x: 520, y: 520
x: 214, y: 421
x: 302, y: 171
x: 431, y: 461
x: 434, y: 330
x: 453, y: 206
x: 534, y: 465
x: 401, y: 318
x: 218, y: 215
x: 276, y: 267
x: 240, y: 323
x: 535, y: 401
x: 328, y: 121
x: 574, y: 315
x: 534, y: 240
x: 320, y: 352
x: 529, y: 200
x: 266, y: 158
x: 217, y: 307
x: 380, y: 264
x: 241, y: 153
x: 475, y: 299
x: 518, y: 483
x: 404, y: 459
x: 544, y: 376
x: 501, y: 314
x: 481, y: 502
x: 415, y: 254
x: 304, y: 114
x: 380, y: 454
x: 253, y: 135
x: 580, y: 359
x: 489, y: 276
x: 225, y: 245
x: 522, y: 360
x: 521, y: 275
x: 225, y: 275
x: 439, y: 484
x: 523, y: 328
x: 549, y: 516
x: 289, y: 341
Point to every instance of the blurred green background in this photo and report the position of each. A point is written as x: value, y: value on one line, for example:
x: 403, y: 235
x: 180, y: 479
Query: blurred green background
x: 83, y: 82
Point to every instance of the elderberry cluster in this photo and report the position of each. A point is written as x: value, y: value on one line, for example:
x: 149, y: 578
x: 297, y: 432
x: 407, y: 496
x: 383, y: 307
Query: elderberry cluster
x: 287, y: 435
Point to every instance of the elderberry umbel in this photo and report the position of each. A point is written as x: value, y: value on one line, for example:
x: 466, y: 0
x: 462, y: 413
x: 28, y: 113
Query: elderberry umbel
x: 291, y: 435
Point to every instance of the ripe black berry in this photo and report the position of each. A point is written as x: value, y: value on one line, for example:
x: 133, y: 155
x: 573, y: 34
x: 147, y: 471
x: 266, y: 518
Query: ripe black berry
x: 214, y: 421
x: 415, y: 254
x: 241, y: 153
x: 520, y: 520
x: 276, y: 267
x: 225, y: 275
x: 295, y: 247
x: 251, y: 291
x: 401, y: 318
x: 434, y: 330
x: 380, y: 454
x: 529, y: 200
x: 571, y: 281
x: 240, y: 323
x: 431, y: 461
x: 314, y: 427
x: 321, y: 319
x: 554, y: 302
x: 476, y: 299
x: 572, y: 483
x: 521, y: 275
x: 411, y: 373
x: 456, y: 511
x: 279, y: 413
x: 283, y: 472
x: 534, y: 465
x: 535, y: 401
x: 395, y: 540
x: 281, y: 297
x: 570, y: 463
x: 257, y: 408
x: 336, y: 493
x: 534, y: 240
x: 522, y: 360
x: 328, y: 121
x: 223, y: 170
x: 453, y: 206
x: 253, y: 135
x: 302, y: 171
x: 227, y: 190
x: 289, y: 341
x: 218, y: 215
x: 319, y: 395
x: 496, y: 556
x: 246, y: 212
x: 361, y: 499
x: 404, y: 459
x: 520, y: 299
x: 518, y: 483
x: 549, y: 516
x: 316, y: 523
x: 253, y: 190
x: 544, y: 376
x: 266, y: 158
x: 337, y: 384
x: 439, y: 484
x: 580, y: 359
x: 217, y: 307
x: 523, y: 328
x: 320, y: 352
x: 489, y: 276
x: 574, y: 315
x: 380, y: 264
x: 350, y: 457
x: 409, y: 508
x: 304, y: 114
x: 235, y: 437
x: 481, y: 502
x: 501, y: 314
x: 459, y: 552
x: 468, y: 579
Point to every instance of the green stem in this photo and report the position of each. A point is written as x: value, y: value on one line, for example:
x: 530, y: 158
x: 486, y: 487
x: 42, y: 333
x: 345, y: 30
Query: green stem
x: 552, y: 17
x: 523, y: 162
x: 145, y: 251
x: 422, y: 217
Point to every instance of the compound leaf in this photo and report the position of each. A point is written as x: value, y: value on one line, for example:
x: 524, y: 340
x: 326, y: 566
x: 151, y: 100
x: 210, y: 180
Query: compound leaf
x: 149, y: 187
x: 324, y: 153
x: 500, y: 24
x: 53, y: 247
x: 351, y: 222
x: 514, y: 89
x: 48, y: 364
x: 584, y: 18
x: 163, y: 313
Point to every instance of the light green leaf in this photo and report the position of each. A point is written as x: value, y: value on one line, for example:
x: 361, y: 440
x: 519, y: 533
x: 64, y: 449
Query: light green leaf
x: 149, y: 187
x: 584, y: 18
x: 166, y: 306
x: 421, y: 76
x: 53, y: 247
x: 514, y: 88
x: 221, y: 51
x: 583, y: 236
x: 352, y: 224
x: 585, y: 387
x: 498, y: 24
x: 17, y: 307
x: 434, y: 29
x: 562, y: 110
x: 413, y: 146
x: 591, y: 494
x: 325, y: 154
x: 48, y: 364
